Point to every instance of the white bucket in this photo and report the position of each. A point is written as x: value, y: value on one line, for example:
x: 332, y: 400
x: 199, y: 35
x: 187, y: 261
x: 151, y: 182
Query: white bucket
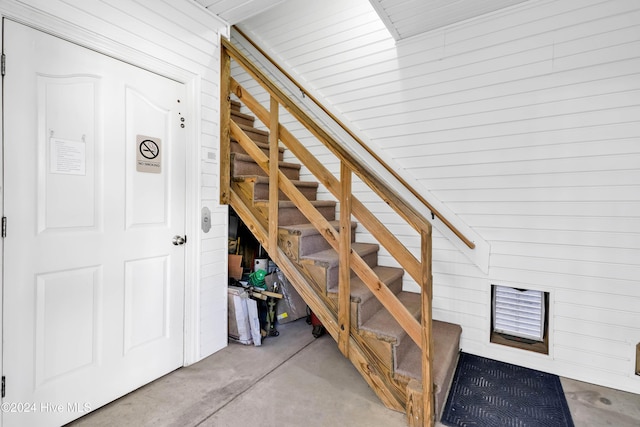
x: 261, y: 264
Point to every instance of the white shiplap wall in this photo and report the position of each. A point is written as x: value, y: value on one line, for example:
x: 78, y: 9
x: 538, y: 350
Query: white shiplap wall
x: 526, y: 124
x: 179, y: 39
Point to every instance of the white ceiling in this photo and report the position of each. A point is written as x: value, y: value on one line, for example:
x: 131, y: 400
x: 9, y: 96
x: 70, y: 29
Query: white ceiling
x: 234, y: 11
x: 406, y: 18
x: 403, y: 18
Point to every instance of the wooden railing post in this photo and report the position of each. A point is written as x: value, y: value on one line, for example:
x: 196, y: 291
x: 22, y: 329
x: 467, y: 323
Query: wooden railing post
x: 427, y: 336
x: 274, y: 137
x: 225, y: 133
x: 344, y: 285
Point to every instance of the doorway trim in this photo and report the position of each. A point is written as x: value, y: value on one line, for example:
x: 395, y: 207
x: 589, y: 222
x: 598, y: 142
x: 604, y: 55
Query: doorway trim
x: 73, y: 33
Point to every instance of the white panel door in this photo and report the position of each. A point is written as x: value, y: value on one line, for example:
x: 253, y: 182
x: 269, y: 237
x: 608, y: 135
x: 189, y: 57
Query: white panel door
x: 94, y: 187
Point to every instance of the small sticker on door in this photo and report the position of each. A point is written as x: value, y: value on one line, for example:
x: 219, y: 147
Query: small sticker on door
x: 148, y: 154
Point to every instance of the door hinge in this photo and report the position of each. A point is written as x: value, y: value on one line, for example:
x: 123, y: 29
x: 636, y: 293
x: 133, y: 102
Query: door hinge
x: 2, y: 388
x: 3, y: 64
x: 4, y: 227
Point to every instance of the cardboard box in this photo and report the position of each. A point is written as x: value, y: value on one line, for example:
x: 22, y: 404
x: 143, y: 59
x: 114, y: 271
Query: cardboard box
x: 235, y: 266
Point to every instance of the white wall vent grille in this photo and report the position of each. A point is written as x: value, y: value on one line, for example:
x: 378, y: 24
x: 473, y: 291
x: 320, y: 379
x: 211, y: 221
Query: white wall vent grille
x: 519, y: 313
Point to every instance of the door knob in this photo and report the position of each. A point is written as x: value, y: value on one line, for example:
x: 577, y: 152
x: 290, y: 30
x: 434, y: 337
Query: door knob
x: 179, y: 240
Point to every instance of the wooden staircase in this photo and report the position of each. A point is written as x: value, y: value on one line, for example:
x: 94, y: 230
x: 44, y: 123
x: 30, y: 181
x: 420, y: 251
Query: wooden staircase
x: 380, y: 348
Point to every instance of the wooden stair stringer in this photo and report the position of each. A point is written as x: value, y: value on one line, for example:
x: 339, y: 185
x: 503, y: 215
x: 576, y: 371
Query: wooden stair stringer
x: 363, y: 359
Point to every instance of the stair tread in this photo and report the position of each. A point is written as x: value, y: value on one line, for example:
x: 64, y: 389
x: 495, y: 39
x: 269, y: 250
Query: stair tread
x: 330, y: 257
x: 262, y: 145
x: 287, y: 204
x: 360, y: 291
x: 242, y: 115
x: 446, y: 338
x: 247, y: 158
x: 265, y: 180
x: 310, y: 229
x: 385, y: 327
x: 252, y: 129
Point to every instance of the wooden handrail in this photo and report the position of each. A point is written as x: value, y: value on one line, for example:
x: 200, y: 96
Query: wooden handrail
x: 369, y: 151
x: 340, y: 241
x: 382, y: 189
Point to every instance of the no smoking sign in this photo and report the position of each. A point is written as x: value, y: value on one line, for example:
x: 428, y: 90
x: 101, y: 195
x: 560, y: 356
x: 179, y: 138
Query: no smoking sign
x: 148, y: 154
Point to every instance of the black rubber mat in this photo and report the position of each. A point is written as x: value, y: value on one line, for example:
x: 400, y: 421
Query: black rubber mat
x: 489, y: 393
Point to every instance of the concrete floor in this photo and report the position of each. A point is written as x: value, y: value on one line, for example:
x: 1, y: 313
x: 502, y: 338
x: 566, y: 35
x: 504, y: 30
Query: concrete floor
x: 296, y: 380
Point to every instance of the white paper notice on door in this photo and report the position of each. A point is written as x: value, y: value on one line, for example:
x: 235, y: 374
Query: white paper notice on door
x: 68, y: 157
